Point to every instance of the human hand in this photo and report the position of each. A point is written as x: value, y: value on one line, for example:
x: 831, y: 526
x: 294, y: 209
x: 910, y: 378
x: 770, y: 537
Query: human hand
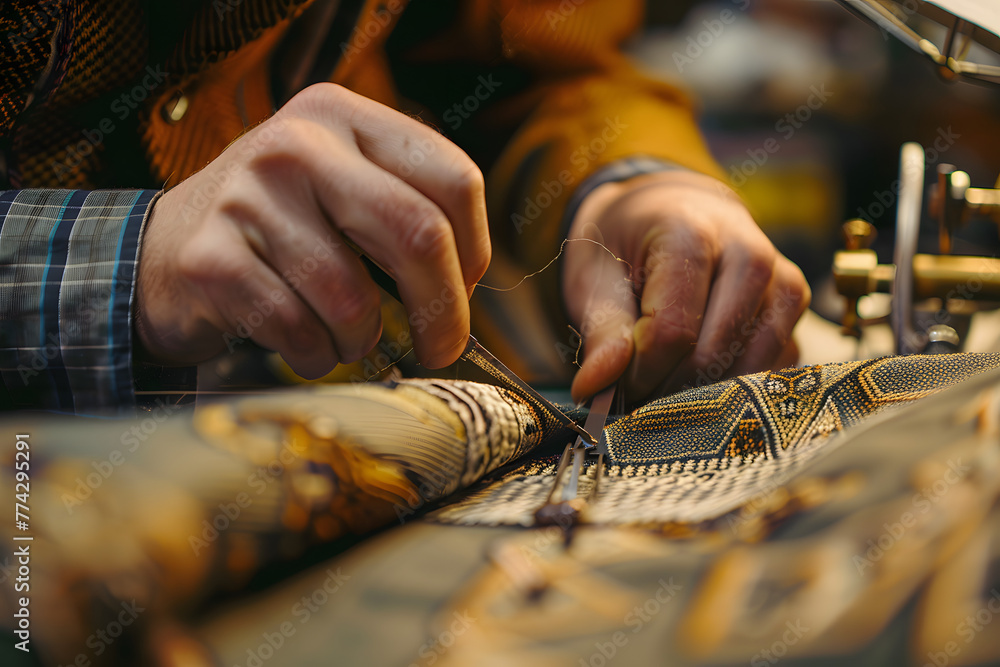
x: 704, y: 295
x: 253, y: 245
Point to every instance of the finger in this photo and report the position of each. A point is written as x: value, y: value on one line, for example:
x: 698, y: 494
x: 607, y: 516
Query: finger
x: 679, y: 265
x: 789, y: 356
x: 251, y: 301
x: 744, y: 274
x: 444, y: 174
x: 423, y: 159
x: 292, y: 235
x: 402, y: 230
x: 599, y: 295
x: 786, y: 299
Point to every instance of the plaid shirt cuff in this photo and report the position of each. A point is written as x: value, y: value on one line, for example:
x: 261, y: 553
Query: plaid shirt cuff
x: 67, y: 279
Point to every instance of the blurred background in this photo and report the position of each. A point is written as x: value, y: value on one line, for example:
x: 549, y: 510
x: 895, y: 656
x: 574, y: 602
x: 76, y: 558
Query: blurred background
x: 806, y: 107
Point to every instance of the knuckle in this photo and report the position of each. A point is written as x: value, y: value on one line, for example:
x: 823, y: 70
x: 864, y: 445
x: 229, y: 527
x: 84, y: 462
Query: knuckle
x: 471, y: 187
x: 667, y: 331
x: 796, y: 287
x: 202, y: 264
x: 317, y: 97
x: 699, y: 246
x: 354, y: 308
x: 759, y: 269
x: 700, y: 359
x: 287, y: 144
x: 469, y: 180
x: 658, y: 256
x: 482, y: 256
x: 447, y: 330
x: 802, y: 295
x: 303, y: 331
x: 426, y: 234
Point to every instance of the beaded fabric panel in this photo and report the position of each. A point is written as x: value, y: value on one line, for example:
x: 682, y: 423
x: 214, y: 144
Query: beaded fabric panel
x: 696, y: 455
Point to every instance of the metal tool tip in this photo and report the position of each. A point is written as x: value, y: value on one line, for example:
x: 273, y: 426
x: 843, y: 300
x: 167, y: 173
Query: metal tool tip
x: 587, y: 437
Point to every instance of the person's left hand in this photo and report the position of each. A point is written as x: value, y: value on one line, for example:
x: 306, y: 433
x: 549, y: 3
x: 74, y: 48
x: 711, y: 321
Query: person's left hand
x: 700, y: 293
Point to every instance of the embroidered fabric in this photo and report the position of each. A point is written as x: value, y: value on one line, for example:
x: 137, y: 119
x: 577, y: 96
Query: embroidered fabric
x: 182, y: 507
x: 693, y: 456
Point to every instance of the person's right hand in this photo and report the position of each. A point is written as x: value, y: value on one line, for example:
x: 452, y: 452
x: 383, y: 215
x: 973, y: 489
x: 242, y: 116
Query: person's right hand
x: 253, y: 245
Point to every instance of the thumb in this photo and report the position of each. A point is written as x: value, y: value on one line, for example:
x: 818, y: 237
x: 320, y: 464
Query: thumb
x: 606, y: 356
x: 602, y: 300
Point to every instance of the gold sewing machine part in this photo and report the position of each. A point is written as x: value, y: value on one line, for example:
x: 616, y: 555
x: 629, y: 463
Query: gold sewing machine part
x: 950, y: 287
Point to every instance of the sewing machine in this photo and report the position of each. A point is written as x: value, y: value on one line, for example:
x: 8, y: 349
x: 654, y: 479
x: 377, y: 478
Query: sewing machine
x: 933, y: 296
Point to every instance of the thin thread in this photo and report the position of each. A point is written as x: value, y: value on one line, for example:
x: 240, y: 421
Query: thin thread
x: 369, y: 378
x: 562, y: 247
x: 579, y: 346
x: 391, y: 364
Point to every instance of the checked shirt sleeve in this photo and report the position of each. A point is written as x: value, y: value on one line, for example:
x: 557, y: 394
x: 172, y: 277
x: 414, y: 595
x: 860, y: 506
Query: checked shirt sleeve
x: 67, y: 279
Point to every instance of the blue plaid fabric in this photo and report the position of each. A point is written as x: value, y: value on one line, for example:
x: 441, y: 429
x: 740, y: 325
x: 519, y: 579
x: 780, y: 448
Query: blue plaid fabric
x: 67, y: 278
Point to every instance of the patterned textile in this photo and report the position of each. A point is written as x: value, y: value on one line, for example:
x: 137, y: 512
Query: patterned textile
x: 191, y: 505
x: 67, y: 264
x: 884, y: 551
x: 695, y: 455
x: 166, y: 511
x: 60, y: 57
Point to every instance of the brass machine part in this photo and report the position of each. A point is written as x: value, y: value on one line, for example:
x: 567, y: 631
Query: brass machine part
x: 853, y: 272
x: 857, y: 273
x: 953, y: 200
